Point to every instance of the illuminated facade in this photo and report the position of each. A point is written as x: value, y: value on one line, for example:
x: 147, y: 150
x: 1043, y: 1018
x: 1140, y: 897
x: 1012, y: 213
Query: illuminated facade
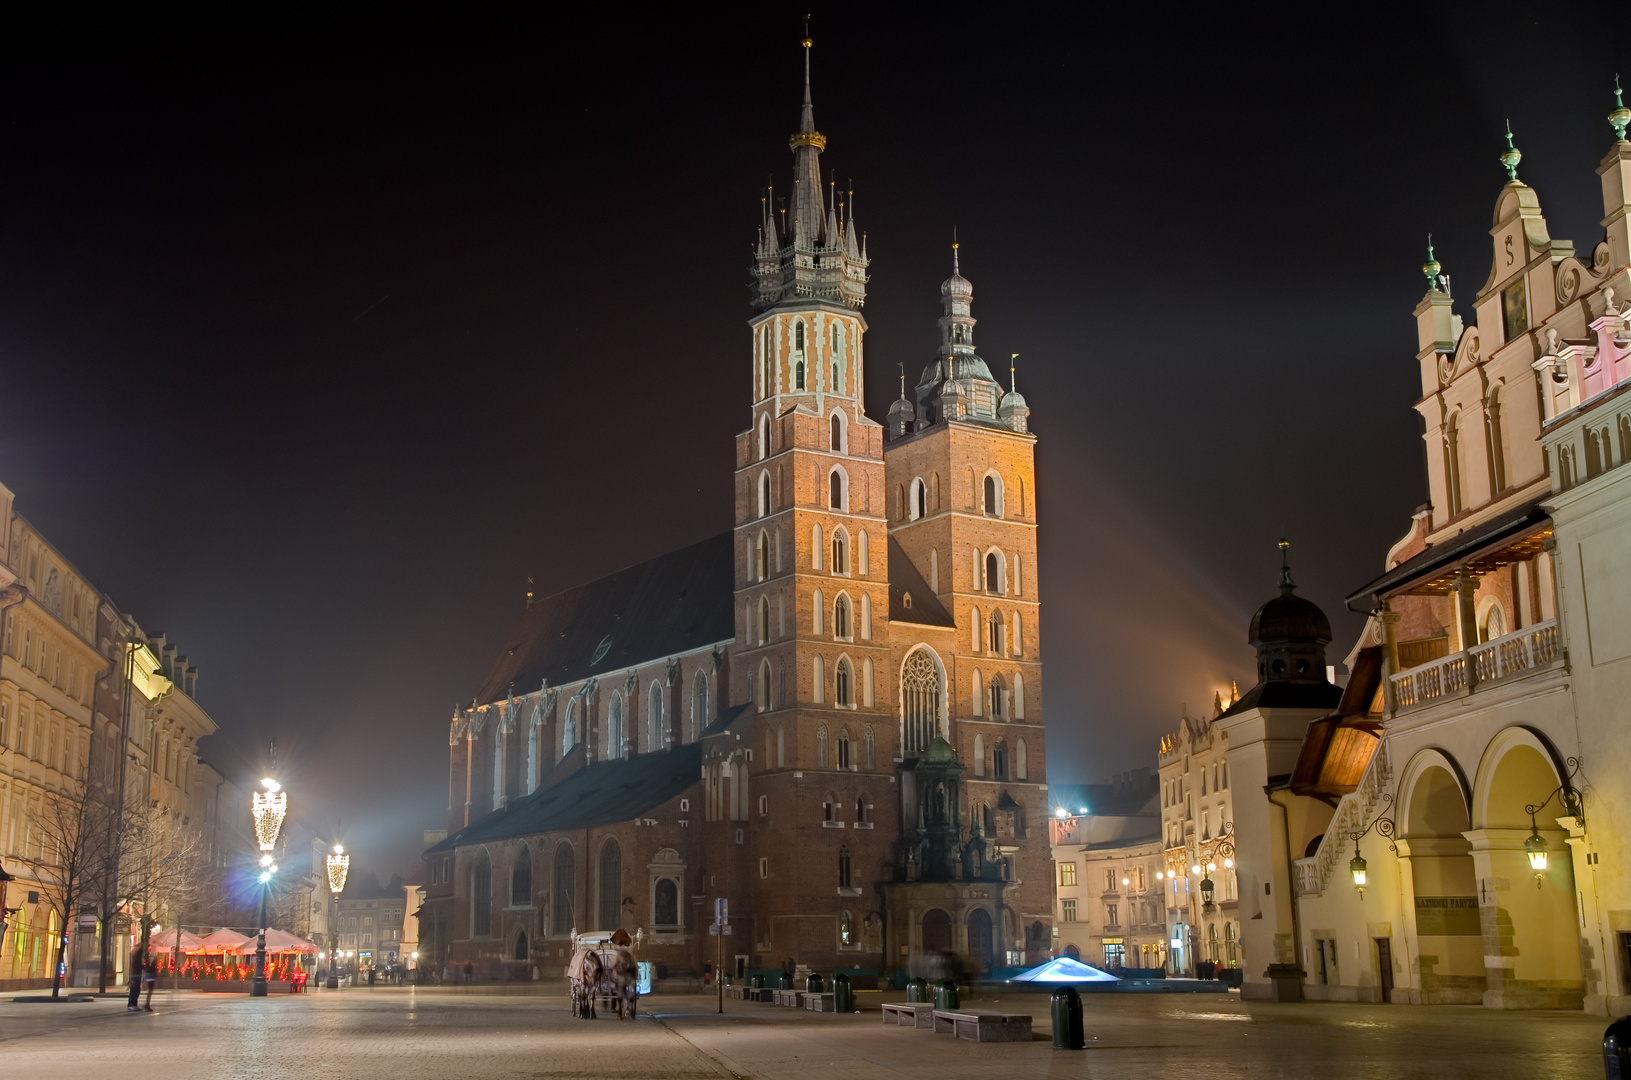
x: 1108, y: 875
x: 1197, y: 821
x: 833, y: 713
x: 1473, y: 773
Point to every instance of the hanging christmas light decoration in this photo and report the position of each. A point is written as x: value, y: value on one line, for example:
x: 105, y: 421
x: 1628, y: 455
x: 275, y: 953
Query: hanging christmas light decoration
x: 268, y: 808
x: 338, y: 864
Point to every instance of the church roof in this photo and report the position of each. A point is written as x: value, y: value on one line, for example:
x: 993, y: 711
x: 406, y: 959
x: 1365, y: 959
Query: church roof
x: 604, y: 793
x: 678, y: 602
x: 904, y: 578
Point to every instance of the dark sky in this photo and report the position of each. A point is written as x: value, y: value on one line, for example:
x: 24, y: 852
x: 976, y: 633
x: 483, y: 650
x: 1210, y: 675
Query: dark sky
x: 318, y: 334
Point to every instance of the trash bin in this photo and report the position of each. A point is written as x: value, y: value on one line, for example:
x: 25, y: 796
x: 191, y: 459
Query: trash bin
x: 756, y: 981
x: 917, y: 991
x: 813, y: 985
x: 1617, y: 1050
x: 784, y: 981
x: 1287, y: 981
x: 1067, y: 1020
x: 945, y: 994
x: 843, y: 998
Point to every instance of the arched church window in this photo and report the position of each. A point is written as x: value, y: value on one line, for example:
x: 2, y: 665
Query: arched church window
x: 845, y: 761
x: 840, y: 552
x: 566, y: 889
x: 762, y: 694
x: 818, y: 604
x: 900, y: 501
x: 699, y: 691
x: 835, y: 491
x: 843, y: 685
x: 995, y: 641
x: 569, y: 730
x: 764, y: 619
x: 798, y: 375
x: 979, y: 755
x: 521, y: 877
x: 846, y: 869
x: 821, y: 750
x: 920, y: 499
x: 993, y: 572
x: 611, y: 886
x: 999, y: 759
x: 761, y: 557
x: 1452, y: 464
x: 654, y: 718
x: 993, y: 496
x: 922, y: 688
x: 798, y: 337
x: 869, y: 751
x: 837, y: 433
x: 997, y: 696
x: 764, y: 494
x: 764, y: 437
x: 841, y: 618
x: 614, y: 740
x: 481, y: 896
x: 1021, y: 766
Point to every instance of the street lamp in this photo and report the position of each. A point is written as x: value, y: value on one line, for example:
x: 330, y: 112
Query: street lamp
x: 339, y: 863
x: 1384, y: 826
x: 268, y: 809
x: 1568, y: 797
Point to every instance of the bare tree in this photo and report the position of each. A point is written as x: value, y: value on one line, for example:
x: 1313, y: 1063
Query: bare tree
x: 68, y: 854
x: 163, y: 869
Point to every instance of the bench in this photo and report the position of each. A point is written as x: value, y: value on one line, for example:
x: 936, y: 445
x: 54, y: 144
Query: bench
x: 982, y: 1026
x: 818, y: 1002
x: 759, y: 993
x: 791, y: 998
x: 917, y: 1014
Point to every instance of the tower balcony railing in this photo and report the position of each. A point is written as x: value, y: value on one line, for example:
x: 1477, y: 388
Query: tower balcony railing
x: 1511, y: 656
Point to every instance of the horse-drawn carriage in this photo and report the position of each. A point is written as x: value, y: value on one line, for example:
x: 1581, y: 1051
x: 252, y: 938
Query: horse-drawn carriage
x: 602, y: 969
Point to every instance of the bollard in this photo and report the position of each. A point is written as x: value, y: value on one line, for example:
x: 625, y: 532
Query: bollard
x: 843, y: 998
x: 945, y: 994
x: 917, y: 992
x: 812, y: 984
x: 1067, y: 1020
x: 1617, y: 1050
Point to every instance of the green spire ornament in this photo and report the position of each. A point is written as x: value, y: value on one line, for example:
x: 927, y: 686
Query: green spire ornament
x: 1620, y: 118
x: 1511, y: 156
x: 1431, y: 266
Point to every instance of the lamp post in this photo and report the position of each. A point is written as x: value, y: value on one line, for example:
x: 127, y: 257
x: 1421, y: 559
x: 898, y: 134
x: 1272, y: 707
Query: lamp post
x: 1384, y: 827
x: 339, y: 863
x: 268, y: 809
x: 1573, y: 804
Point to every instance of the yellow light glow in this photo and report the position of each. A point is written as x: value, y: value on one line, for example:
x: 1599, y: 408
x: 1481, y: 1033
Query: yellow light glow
x: 338, y: 865
x: 268, y: 809
x: 1359, y: 878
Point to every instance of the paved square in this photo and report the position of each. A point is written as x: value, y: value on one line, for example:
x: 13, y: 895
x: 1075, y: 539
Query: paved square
x: 469, y: 1032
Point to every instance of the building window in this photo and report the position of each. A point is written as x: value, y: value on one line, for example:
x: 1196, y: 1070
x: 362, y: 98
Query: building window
x: 654, y: 719
x: 821, y: 746
x: 993, y: 496
x: 838, y: 432
x: 764, y: 868
x: 829, y: 808
x: 566, y: 889
x: 761, y: 557
x: 666, y: 911
x: 844, y: 759
x: 869, y: 749
x: 841, y: 618
x: 520, y: 878
x: 845, y: 869
x: 922, y: 689
x: 764, y: 620
x: 764, y: 494
x: 481, y: 897
x: 611, y: 886
x: 614, y: 739
x: 1070, y: 910
x: 1067, y: 873
x: 993, y: 572
x: 999, y: 760
x: 840, y: 552
x: 1112, y: 915
x: 764, y: 437
x: 860, y: 810
x: 763, y: 696
x: 700, y: 701
x: 835, y: 490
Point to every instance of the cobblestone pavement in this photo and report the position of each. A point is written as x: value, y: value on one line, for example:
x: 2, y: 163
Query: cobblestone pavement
x: 472, y: 1032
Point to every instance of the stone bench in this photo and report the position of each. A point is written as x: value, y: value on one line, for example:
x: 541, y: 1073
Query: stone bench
x: 982, y: 1026
x: 915, y: 1014
x: 793, y: 999
x: 759, y: 993
x: 819, y: 1002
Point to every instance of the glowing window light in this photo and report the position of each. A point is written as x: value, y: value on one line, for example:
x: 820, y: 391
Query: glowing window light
x: 268, y: 808
x: 338, y: 865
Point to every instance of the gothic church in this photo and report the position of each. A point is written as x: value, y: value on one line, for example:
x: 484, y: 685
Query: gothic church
x: 830, y: 716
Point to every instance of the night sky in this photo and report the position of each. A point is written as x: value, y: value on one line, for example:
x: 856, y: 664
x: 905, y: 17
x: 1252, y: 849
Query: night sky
x: 318, y: 335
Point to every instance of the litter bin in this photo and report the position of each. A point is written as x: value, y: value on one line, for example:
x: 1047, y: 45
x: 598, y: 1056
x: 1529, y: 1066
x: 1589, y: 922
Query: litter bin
x: 1617, y: 1050
x: 843, y: 998
x: 813, y: 984
x: 1067, y: 1020
x: 945, y: 994
x: 1287, y: 981
x: 756, y: 982
x: 917, y: 991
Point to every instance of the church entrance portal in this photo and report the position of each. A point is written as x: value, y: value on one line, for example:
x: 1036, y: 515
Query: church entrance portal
x: 979, y: 939
x: 936, y: 931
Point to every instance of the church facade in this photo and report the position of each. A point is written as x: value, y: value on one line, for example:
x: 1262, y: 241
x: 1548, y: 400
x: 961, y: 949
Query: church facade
x: 830, y: 716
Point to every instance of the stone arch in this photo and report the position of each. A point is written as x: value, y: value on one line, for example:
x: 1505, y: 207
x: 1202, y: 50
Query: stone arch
x: 922, y: 699
x: 1440, y: 879
x: 1496, y: 802
x: 935, y: 930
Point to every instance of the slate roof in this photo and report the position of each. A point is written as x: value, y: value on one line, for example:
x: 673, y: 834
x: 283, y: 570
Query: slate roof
x: 605, y: 793
x: 678, y: 602
x: 1278, y: 694
x: 904, y: 578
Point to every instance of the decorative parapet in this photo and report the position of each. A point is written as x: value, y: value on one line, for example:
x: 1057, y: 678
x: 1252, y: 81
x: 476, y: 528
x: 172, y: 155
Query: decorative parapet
x: 1511, y: 656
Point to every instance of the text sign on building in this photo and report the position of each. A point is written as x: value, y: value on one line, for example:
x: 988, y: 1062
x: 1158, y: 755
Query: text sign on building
x: 1448, y: 916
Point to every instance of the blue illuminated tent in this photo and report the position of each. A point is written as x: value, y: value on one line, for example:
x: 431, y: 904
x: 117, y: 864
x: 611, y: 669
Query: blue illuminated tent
x: 1064, y: 970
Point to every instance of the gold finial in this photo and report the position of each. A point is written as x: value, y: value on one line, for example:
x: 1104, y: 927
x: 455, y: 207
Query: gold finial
x: 807, y: 41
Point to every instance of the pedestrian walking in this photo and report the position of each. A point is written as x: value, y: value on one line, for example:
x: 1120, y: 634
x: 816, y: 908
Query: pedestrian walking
x: 135, y: 979
x: 150, y: 978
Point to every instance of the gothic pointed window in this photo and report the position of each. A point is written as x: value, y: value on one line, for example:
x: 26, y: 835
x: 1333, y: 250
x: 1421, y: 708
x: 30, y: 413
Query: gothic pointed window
x: 521, y: 878
x: 843, y: 684
x: 993, y: 572
x: 614, y: 740
x: 762, y: 694
x: 821, y: 746
x: 611, y: 886
x: 699, y: 706
x: 569, y: 730
x: 764, y: 619
x: 764, y: 494
x: 845, y: 758
x: 761, y: 557
x: 920, y: 499
x: 840, y: 552
x: 979, y: 755
x: 481, y: 896
x: 654, y: 718
x: 995, y: 641
x: 846, y: 869
x: 764, y: 436
x: 841, y: 618
x: 996, y: 696
x: 999, y: 759
x: 993, y: 496
x: 835, y: 490
x: 922, y: 689
x: 837, y: 433
x: 798, y: 375
x: 1021, y: 766
x: 869, y: 751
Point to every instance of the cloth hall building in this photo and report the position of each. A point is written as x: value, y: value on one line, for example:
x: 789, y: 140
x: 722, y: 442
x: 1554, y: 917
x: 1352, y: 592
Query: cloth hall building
x: 829, y: 716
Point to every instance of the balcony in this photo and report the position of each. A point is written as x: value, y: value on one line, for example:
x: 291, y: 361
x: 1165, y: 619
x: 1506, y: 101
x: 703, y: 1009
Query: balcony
x: 1512, y: 656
